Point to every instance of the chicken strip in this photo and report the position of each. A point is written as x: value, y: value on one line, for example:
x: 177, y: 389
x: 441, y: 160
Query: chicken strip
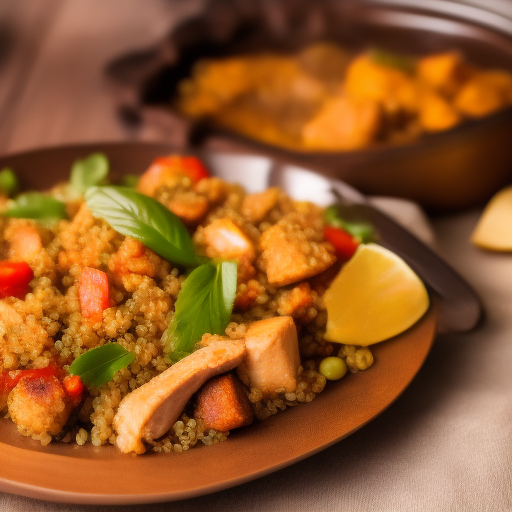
x: 150, y: 411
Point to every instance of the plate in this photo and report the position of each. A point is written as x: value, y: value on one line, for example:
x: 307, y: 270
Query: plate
x: 103, y: 475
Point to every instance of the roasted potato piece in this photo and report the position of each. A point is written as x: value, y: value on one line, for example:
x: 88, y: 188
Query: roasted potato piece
x: 222, y: 404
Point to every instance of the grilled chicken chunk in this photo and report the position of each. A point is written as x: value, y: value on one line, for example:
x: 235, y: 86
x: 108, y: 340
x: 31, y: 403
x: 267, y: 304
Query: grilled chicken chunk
x: 150, y: 411
x: 272, y: 359
x: 39, y: 406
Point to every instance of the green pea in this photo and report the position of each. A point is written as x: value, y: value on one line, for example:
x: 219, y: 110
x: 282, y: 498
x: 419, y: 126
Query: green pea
x: 333, y: 368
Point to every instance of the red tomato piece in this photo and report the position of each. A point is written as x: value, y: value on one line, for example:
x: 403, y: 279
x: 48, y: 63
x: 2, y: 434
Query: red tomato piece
x: 93, y: 293
x: 166, y: 166
x: 10, y: 378
x: 15, y: 277
x: 344, y: 243
x: 188, y: 165
x: 73, y: 386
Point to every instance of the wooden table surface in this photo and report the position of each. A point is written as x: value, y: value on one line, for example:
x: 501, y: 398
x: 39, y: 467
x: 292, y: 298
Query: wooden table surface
x: 445, y: 445
x: 52, y: 56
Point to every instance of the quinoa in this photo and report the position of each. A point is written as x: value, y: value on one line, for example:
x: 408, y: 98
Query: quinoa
x: 144, y: 289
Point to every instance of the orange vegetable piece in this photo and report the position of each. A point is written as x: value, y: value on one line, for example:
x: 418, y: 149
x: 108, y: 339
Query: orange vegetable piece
x: 14, y: 279
x: 93, y: 294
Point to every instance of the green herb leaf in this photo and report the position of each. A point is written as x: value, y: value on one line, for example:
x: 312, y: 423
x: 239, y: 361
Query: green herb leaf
x: 130, y: 180
x: 360, y: 230
x: 147, y: 220
x: 8, y: 182
x: 393, y: 60
x: 99, y: 365
x: 88, y: 172
x: 204, y: 305
x: 34, y: 205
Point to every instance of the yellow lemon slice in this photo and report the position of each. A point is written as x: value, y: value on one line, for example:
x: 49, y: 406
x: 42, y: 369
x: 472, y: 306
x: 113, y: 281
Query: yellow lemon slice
x: 494, y: 229
x: 374, y: 297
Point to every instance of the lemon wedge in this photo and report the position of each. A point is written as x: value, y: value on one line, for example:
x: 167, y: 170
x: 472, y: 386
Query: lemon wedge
x: 374, y: 297
x: 494, y: 229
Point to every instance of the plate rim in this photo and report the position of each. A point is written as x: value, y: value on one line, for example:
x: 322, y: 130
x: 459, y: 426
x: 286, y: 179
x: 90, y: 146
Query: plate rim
x: 32, y: 490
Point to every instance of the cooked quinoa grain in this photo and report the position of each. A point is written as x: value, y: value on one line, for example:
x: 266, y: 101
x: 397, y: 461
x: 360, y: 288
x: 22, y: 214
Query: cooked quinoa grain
x: 47, y: 326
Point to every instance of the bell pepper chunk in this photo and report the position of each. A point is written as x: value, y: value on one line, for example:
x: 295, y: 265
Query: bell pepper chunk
x: 93, y: 294
x: 14, y: 279
x: 344, y: 243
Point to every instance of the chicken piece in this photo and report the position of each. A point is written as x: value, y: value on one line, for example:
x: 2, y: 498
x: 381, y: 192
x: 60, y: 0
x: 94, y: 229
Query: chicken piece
x: 150, y: 411
x: 133, y: 257
x: 24, y: 241
x: 294, y: 301
x: 485, y: 93
x: 188, y: 206
x: 289, y: 259
x: 444, y: 72
x: 437, y: 114
x: 9, y: 316
x: 223, y: 239
x: 255, y: 207
x: 39, y: 406
x: 272, y: 360
x: 343, y: 124
x: 222, y: 404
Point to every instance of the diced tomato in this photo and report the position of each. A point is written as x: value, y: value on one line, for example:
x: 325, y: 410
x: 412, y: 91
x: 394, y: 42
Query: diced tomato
x: 188, y: 165
x: 344, y: 243
x: 73, y: 386
x: 9, y: 378
x: 166, y: 166
x: 93, y: 294
x: 15, y: 277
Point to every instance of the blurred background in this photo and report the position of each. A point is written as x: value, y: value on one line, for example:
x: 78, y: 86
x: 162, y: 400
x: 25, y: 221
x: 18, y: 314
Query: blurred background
x: 87, y: 70
x: 52, y: 60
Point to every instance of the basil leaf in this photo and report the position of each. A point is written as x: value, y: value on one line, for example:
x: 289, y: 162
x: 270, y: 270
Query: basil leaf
x: 204, y: 305
x: 99, y: 365
x: 8, y: 182
x: 141, y: 217
x: 360, y: 230
x: 393, y: 60
x: 34, y: 205
x: 88, y: 172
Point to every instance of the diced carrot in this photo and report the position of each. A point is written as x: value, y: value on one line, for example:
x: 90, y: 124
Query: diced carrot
x: 14, y: 279
x: 73, y: 386
x: 93, y: 294
x: 164, y: 167
x: 344, y: 243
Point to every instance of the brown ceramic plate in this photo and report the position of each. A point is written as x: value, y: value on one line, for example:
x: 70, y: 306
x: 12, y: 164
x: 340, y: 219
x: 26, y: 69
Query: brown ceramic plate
x: 70, y: 473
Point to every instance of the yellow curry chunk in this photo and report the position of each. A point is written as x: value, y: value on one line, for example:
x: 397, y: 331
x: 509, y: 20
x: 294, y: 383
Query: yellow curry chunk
x: 343, y: 123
